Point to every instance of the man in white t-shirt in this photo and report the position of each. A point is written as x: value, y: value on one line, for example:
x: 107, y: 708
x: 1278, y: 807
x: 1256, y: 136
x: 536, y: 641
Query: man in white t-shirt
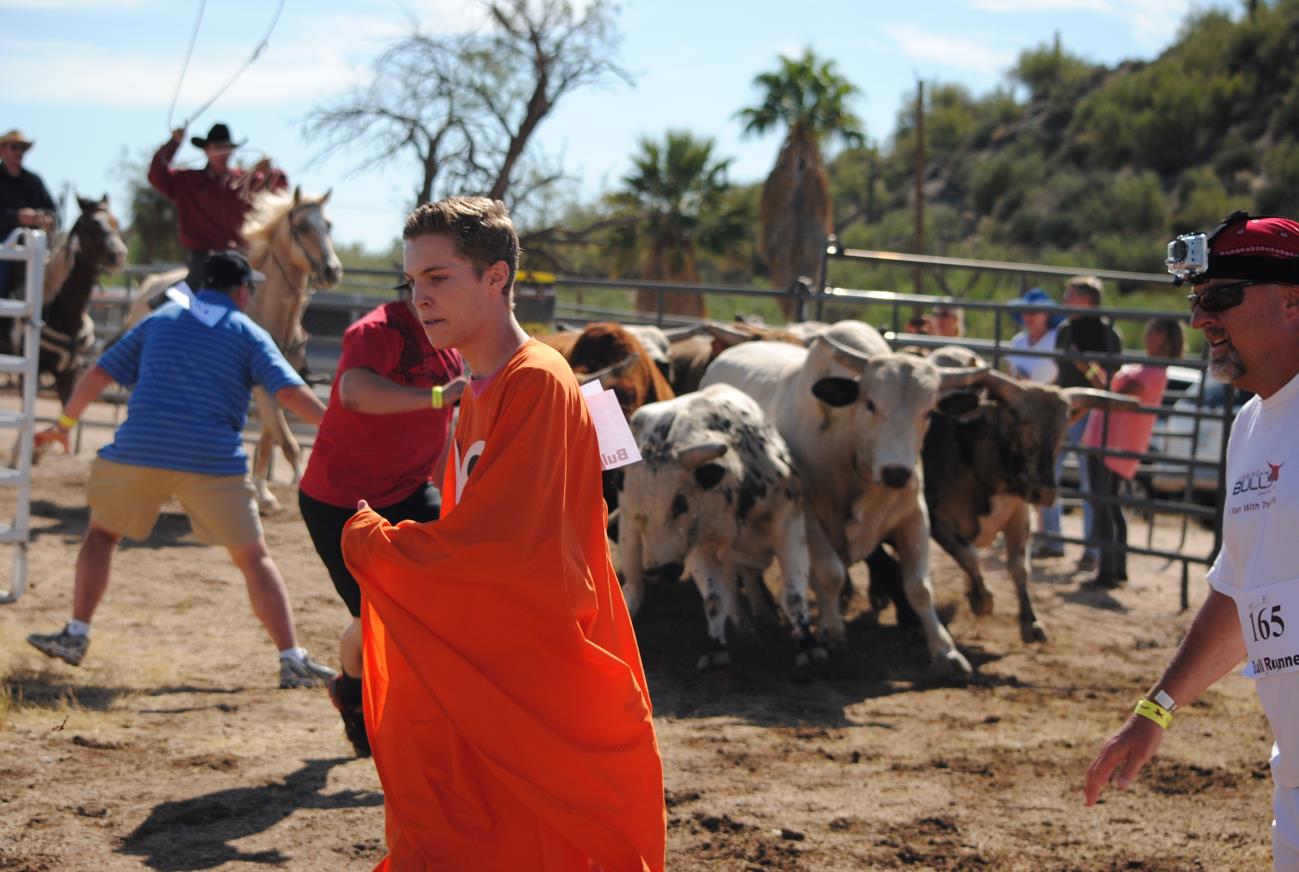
x: 1246, y: 301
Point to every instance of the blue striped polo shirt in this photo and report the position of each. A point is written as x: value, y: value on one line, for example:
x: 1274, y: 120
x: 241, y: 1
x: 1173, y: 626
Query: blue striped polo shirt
x: 191, y: 385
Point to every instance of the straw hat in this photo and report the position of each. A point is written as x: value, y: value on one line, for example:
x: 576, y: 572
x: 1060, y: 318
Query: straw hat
x: 16, y: 136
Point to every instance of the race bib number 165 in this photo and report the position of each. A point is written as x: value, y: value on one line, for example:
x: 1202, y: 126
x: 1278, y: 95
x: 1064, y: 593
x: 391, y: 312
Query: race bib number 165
x: 1268, y: 619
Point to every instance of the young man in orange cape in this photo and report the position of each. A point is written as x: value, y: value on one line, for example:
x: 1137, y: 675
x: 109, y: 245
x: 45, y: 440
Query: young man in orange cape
x: 503, y: 690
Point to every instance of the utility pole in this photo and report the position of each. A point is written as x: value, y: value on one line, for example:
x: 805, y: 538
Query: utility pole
x: 918, y: 275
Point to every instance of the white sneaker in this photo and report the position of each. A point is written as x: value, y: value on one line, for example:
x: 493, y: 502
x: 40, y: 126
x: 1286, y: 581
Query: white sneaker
x: 303, y: 672
x: 63, y: 645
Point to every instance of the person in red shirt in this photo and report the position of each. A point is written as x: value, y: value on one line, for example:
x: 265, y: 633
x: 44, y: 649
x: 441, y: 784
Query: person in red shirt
x: 504, y: 693
x: 382, y: 439
x: 211, y: 203
x: 1127, y: 432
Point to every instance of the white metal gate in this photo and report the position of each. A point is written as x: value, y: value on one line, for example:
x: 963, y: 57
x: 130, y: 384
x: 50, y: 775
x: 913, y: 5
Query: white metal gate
x: 28, y: 247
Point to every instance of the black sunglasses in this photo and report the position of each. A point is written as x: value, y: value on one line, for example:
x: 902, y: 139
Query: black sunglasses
x: 1220, y: 298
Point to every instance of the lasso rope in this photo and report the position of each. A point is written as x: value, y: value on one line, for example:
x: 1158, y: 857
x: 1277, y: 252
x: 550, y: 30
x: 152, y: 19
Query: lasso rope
x: 261, y: 47
x: 184, y: 68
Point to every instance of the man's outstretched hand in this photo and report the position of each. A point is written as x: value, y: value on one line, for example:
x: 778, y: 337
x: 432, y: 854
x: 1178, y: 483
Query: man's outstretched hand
x: 1130, y: 748
x: 50, y: 435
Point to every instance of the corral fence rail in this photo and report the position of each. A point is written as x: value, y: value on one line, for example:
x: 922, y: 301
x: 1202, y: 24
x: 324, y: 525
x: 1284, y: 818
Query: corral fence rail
x: 330, y: 312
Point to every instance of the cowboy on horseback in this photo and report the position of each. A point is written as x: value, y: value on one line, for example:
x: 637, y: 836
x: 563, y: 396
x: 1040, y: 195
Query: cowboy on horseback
x: 211, y: 203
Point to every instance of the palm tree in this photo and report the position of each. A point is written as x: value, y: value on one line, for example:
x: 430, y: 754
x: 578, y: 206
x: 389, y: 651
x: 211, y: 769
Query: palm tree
x: 676, y: 205
x: 809, y: 97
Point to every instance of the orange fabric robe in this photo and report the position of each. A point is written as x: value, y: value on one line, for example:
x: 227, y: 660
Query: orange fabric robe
x: 504, y: 694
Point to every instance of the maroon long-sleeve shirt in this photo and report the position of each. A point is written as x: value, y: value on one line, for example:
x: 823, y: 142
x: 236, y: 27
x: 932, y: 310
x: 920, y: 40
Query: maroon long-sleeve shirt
x: 210, y: 210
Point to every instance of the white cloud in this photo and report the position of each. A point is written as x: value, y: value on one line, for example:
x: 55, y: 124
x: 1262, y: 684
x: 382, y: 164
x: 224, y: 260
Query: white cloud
x: 444, y: 15
x: 1022, y: 6
x: 55, y: 5
x: 955, y: 51
x: 130, y: 79
x: 313, y: 56
x: 308, y: 56
x: 1152, y: 23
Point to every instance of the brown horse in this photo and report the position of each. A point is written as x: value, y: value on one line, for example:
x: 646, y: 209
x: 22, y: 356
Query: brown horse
x: 289, y: 241
x: 93, y: 246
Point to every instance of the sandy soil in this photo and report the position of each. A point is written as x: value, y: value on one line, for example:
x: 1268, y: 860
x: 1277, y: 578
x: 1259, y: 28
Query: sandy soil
x: 172, y: 749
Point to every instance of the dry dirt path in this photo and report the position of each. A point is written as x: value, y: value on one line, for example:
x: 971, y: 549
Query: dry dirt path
x: 171, y: 748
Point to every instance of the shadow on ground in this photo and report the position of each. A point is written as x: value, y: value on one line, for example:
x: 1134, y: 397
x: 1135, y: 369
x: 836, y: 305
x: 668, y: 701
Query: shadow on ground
x: 70, y: 522
x: 761, y: 686
x: 198, y: 833
x: 47, y: 689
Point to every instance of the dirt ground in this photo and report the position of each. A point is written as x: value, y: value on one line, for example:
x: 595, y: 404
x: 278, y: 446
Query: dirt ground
x: 172, y: 749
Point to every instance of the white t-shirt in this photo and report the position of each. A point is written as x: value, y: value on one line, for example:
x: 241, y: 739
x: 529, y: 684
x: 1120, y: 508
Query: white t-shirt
x: 1042, y: 370
x: 1259, y: 542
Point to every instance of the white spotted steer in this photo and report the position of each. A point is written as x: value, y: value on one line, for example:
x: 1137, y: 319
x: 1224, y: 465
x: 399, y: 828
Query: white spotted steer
x: 854, y: 415
x: 717, y: 496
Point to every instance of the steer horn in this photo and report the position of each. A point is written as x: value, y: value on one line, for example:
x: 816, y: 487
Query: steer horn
x: 609, y: 373
x: 697, y: 455
x: 676, y: 334
x: 852, y: 358
x: 952, y: 377
x: 955, y: 355
x: 1002, y: 386
x: 727, y: 335
x: 1091, y: 398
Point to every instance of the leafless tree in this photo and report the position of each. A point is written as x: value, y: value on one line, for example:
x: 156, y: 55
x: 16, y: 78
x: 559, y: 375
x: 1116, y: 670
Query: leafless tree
x: 467, y: 105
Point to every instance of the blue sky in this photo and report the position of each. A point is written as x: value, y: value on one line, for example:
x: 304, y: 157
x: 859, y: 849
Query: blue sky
x: 91, y: 80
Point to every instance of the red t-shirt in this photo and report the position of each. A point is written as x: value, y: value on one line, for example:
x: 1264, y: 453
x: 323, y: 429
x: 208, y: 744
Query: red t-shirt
x: 1127, y: 431
x: 210, y: 211
x: 382, y: 458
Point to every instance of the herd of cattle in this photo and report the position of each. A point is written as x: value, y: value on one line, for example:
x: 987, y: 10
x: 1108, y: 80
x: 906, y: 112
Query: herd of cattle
x: 815, y: 445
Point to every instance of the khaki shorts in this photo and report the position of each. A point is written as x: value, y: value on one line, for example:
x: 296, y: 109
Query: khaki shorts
x: 126, y: 500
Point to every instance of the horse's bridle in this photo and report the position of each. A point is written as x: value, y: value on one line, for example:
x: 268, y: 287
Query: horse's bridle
x: 317, y: 269
x: 70, y: 349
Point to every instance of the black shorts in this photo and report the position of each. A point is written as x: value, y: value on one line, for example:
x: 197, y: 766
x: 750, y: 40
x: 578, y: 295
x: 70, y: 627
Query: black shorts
x: 325, y: 524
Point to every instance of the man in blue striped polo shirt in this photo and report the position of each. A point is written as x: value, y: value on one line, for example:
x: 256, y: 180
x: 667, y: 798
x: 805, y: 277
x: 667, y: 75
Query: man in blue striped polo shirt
x: 191, y: 366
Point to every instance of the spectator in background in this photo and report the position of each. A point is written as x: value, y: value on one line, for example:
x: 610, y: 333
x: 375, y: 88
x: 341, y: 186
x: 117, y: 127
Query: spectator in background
x: 949, y: 321
x: 24, y: 199
x: 1125, y: 431
x: 1039, y: 334
x: 921, y: 324
x: 24, y: 202
x: 1083, y: 332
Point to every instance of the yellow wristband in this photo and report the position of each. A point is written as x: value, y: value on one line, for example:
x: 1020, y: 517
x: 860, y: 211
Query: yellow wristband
x: 1155, y: 712
x: 66, y: 423
x: 437, y: 396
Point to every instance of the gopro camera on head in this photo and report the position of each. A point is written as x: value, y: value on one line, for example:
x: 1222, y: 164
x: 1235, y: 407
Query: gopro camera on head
x: 1188, y: 256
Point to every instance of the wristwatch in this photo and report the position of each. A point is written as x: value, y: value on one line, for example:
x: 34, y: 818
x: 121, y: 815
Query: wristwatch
x: 1161, y: 696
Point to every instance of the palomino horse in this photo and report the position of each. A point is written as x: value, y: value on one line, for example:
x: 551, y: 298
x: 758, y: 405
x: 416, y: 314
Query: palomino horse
x: 289, y: 241
x: 92, y: 247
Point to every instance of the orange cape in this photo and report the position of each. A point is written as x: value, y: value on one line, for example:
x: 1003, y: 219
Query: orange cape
x: 504, y: 694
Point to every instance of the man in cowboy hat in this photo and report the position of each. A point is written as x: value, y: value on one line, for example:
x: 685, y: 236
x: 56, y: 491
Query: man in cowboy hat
x: 24, y: 202
x: 211, y: 203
